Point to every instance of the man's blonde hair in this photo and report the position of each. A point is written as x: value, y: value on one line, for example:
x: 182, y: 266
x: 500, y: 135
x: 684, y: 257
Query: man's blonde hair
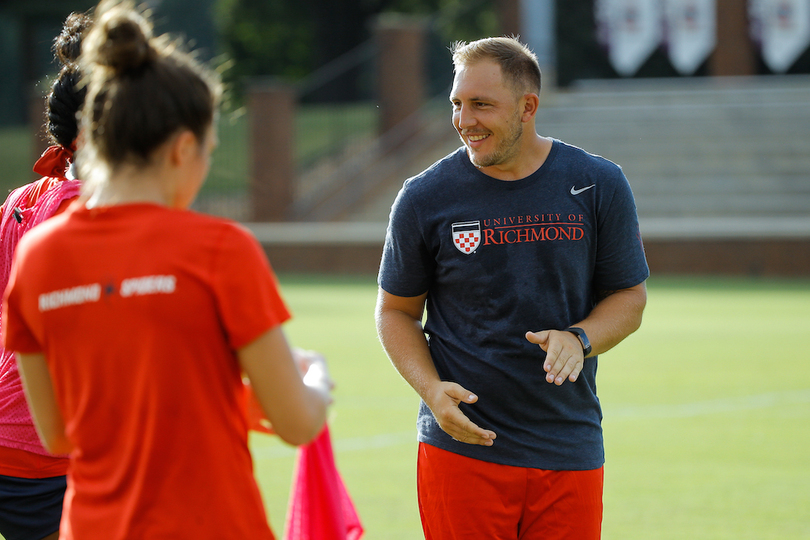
x: 518, y: 63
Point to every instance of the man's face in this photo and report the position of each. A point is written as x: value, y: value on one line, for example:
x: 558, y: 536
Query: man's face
x: 486, y: 114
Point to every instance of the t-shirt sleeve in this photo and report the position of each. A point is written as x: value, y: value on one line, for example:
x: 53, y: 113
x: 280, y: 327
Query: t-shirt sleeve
x: 246, y: 289
x: 407, y: 265
x: 620, y: 258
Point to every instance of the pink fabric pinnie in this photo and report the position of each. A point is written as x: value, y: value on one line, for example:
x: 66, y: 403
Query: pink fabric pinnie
x: 18, y: 217
x: 320, y: 507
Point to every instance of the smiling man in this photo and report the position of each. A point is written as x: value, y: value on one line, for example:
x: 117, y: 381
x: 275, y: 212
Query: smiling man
x: 526, y: 253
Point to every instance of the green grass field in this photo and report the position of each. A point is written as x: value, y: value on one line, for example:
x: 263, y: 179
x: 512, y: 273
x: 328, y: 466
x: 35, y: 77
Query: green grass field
x: 707, y: 413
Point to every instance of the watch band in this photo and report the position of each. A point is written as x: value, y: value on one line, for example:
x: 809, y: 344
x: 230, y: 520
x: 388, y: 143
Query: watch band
x: 583, y: 339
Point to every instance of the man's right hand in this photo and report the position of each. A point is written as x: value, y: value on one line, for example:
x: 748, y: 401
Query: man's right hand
x: 444, y: 404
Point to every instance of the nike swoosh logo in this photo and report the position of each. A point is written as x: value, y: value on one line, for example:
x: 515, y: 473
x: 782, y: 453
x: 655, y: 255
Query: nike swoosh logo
x: 575, y: 191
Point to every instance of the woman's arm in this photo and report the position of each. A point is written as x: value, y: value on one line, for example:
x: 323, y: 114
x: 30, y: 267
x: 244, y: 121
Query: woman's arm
x: 38, y: 388
x: 294, y: 404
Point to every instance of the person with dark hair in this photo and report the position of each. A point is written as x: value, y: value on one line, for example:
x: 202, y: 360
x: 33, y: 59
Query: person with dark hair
x: 32, y: 481
x: 526, y: 254
x: 134, y: 319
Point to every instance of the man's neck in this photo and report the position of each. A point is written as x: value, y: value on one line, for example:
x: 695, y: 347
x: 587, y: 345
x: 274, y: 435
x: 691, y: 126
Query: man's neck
x: 531, y: 156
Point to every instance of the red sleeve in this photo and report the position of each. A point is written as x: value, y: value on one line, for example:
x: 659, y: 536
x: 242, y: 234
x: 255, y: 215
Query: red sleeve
x: 246, y: 289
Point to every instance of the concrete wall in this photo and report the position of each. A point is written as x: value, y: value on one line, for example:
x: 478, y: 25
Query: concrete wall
x: 355, y: 248
x: 729, y: 257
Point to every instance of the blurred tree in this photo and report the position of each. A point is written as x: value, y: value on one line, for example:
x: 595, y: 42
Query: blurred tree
x: 27, y: 29
x: 193, y: 21
x: 265, y: 37
x: 289, y: 39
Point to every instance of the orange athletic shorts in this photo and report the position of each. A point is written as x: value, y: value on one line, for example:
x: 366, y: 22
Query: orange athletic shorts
x: 464, y: 498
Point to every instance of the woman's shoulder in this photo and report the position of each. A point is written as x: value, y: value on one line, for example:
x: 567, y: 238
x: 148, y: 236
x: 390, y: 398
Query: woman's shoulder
x: 215, y: 232
x: 197, y: 221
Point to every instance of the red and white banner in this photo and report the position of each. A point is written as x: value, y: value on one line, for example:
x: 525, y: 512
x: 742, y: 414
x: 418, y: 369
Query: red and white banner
x: 782, y: 27
x: 690, y: 32
x: 631, y: 30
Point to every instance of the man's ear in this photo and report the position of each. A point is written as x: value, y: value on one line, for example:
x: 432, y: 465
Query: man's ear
x: 530, y: 105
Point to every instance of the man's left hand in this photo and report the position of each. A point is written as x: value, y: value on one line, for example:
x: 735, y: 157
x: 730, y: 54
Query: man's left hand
x: 564, y: 357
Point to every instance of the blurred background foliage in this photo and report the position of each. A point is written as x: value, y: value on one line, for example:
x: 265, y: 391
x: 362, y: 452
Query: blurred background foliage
x: 284, y: 39
x: 291, y: 39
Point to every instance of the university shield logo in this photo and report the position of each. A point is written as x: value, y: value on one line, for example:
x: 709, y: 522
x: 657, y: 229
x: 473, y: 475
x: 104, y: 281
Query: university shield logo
x: 467, y: 236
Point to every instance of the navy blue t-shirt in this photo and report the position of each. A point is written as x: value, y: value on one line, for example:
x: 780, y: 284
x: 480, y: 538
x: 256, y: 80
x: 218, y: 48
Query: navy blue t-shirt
x: 500, y: 258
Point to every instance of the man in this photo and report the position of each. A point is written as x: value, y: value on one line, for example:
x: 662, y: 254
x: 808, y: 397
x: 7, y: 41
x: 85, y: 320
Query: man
x: 527, y: 254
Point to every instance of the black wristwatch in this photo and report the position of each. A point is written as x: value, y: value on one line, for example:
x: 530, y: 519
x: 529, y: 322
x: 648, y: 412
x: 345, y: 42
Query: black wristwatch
x: 583, y: 339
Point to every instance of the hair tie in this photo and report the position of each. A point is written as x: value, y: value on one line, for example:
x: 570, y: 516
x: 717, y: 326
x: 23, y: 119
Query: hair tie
x: 54, y: 161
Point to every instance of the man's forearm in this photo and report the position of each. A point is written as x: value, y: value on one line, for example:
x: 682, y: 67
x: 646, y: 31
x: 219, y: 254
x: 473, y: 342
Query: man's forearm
x: 404, y: 342
x: 614, y: 318
x: 403, y: 339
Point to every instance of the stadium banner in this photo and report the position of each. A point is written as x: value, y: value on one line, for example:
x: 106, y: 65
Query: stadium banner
x: 782, y: 29
x: 690, y: 32
x: 631, y: 30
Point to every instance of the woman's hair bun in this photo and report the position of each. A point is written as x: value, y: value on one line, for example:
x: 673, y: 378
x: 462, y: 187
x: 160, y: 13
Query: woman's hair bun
x: 124, y: 37
x: 68, y: 44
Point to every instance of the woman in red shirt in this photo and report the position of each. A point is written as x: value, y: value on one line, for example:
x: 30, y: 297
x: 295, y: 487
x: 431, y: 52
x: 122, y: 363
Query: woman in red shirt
x: 134, y: 318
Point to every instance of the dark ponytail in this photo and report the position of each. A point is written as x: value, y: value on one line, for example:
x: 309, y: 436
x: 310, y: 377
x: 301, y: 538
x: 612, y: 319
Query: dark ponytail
x: 67, y: 94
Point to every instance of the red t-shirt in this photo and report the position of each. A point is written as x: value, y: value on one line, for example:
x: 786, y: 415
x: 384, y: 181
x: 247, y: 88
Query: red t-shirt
x: 138, y: 310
